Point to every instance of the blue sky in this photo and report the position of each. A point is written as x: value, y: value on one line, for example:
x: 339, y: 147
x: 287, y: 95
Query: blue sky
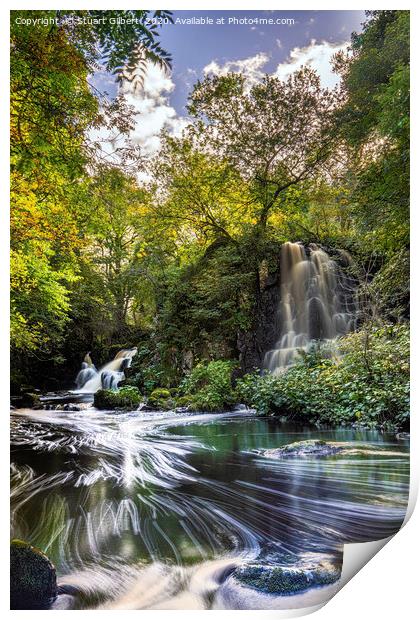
x: 198, y: 50
x: 194, y: 47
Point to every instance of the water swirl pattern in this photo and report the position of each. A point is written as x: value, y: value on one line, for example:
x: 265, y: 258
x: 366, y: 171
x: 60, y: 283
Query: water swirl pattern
x: 157, y: 510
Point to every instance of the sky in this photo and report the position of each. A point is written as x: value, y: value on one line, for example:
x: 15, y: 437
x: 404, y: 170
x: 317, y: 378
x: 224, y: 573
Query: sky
x: 295, y: 38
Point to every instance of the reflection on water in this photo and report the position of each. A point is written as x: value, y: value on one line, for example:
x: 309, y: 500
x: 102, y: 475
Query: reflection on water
x: 184, y: 497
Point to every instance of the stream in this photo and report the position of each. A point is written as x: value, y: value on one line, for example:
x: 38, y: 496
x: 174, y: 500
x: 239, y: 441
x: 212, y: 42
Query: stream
x: 155, y: 510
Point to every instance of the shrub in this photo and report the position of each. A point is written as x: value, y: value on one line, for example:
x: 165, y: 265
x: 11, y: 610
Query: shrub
x: 368, y: 384
x: 128, y: 397
x: 209, y: 385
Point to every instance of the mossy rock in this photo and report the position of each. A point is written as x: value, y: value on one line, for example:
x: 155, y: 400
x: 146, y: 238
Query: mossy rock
x: 33, y: 581
x: 161, y: 398
x: 309, y: 447
x: 184, y: 401
x: 29, y: 400
x: 160, y: 393
x: 126, y: 398
x: 286, y: 580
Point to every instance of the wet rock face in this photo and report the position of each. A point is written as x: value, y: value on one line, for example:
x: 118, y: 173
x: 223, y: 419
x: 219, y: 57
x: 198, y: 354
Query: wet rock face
x: 310, y: 447
x: 33, y: 582
x: 253, y: 344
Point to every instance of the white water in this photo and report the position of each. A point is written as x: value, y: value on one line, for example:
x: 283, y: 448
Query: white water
x: 108, y: 376
x: 314, y: 303
x: 139, y: 513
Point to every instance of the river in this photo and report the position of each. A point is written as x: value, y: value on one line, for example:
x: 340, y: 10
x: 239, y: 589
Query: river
x: 157, y: 510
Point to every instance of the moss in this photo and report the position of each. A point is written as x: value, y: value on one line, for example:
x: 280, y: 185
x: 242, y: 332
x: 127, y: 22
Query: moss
x: 33, y: 582
x: 30, y: 400
x: 128, y: 397
x: 308, y: 447
x: 161, y: 398
x: 184, y: 401
x: 160, y: 393
x: 285, y: 581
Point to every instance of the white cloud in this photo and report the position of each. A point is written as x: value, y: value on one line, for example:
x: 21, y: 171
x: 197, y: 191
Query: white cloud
x: 250, y: 67
x: 152, y: 105
x: 154, y: 112
x: 317, y: 56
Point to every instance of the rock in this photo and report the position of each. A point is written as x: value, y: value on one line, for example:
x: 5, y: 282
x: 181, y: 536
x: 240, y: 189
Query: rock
x: 28, y: 400
x: 70, y: 407
x: 184, y: 402
x: 403, y: 436
x: 127, y: 398
x: 162, y: 399
x: 283, y: 579
x: 33, y: 582
x: 309, y: 447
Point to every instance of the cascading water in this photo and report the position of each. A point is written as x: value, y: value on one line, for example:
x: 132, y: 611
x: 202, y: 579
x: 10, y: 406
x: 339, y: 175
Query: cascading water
x: 315, y: 304
x: 89, y: 380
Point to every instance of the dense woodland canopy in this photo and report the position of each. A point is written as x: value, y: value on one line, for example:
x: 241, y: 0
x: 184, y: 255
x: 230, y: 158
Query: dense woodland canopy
x: 176, y: 265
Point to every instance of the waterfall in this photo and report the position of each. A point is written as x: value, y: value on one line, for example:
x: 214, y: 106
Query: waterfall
x: 316, y: 302
x: 89, y: 380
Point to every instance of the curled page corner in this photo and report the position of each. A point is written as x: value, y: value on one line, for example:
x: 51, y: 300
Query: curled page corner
x: 357, y: 555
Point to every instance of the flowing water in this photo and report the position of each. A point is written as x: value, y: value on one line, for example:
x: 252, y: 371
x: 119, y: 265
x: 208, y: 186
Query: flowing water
x: 89, y: 380
x: 156, y: 510
x: 316, y: 303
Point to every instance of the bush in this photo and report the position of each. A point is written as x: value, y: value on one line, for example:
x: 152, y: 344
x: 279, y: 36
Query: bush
x: 368, y: 384
x: 128, y: 397
x: 209, y: 386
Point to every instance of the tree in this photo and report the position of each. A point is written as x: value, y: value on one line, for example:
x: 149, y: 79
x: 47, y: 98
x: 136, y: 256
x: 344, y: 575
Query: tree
x: 374, y: 122
x: 117, y: 245
x: 54, y: 110
x: 198, y: 195
x: 276, y: 134
x: 123, y: 41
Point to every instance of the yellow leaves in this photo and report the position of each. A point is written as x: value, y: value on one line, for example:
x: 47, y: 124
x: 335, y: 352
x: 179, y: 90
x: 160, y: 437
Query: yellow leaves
x: 277, y: 219
x: 23, y: 336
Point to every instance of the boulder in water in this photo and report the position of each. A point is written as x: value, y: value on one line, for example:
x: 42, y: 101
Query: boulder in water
x: 309, y: 447
x: 161, y: 399
x: 286, y: 580
x: 127, y: 398
x: 29, y: 400
x: 33, y: 582
x: 71, y: 407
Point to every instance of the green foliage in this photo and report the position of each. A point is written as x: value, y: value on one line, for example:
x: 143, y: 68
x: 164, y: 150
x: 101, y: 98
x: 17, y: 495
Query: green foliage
x: 127, y: 397
x: 39, y: 301
x: 162, y: 399
x: 59, y: 211
x: 120, y: 40
x: 374, y: 122
x: 207, y: 301
x: 368, y: 384
x: 184, y: 401
x: 390, y: 287
x: 275, y: 135
x: 181, y: 264
x: 210, y: 386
